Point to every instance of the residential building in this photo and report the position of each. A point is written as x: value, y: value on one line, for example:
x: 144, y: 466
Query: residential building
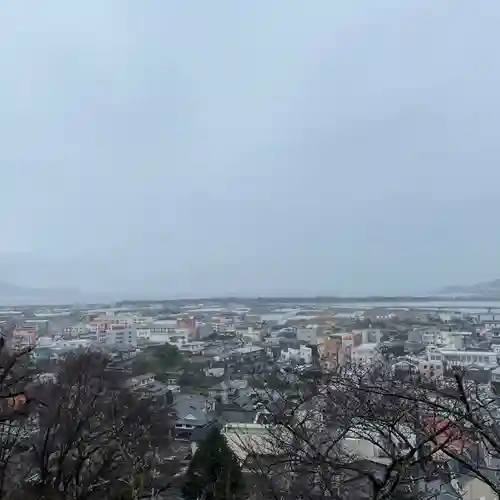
x: 495, y: 379
x: 193, y: 411
x: 147, y: 386
x: 481, y: 359
x: 368, y: 444
x: 337, y: 348
x: 140, y: 321
x: 302, y: 354
x: 491, y: 324
x: 223, y: 324
x: 456, y: 338
x: 163, y: 326
x: 249, y: 352
x: 24, y: 335
x: 447, y: 437
x: 75, y: 330
x: 119, y: 337
x: 437, y: 337
x: 433, y: 366
x: 189, y: 323
x: 191, y: 347
x: 329, y: 351
x: 109, y: 320
x: 472, y: 488
x: 365, y: 354
x: 256, y: 439
x: 160, y: 331
x: 308, y: 334
x: 408, y: 365
x: 140, y: 381
x: 249, y: 334
x: 94, y: 336
x: 430, y: 365
x: 427, y: 336
x: 227, y: 388
x: 367, y: 336
x: 272, y: 341
x: 143, y: 332
x: 215, y: 371
x: 169, y: 334
x: 489, y: 317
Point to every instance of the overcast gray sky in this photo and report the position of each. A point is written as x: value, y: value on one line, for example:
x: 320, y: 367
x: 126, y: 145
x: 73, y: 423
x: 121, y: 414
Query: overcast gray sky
x: 267, y: 147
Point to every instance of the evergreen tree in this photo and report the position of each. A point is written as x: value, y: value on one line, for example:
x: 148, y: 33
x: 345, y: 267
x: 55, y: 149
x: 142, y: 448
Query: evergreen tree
x: 214, y: 472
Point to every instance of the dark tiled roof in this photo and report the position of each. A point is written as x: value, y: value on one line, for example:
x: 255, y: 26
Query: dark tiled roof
x: 237, y: 416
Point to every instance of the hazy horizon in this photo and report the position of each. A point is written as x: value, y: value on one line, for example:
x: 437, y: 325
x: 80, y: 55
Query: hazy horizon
x: 249, y: 148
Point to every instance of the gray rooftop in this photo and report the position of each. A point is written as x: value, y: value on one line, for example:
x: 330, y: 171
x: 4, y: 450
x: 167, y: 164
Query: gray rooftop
x: 192, y: 409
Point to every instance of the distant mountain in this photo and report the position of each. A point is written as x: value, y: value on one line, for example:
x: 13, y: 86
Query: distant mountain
x: 488, y: 288
x: 27, y: 278
x: 11, y: 294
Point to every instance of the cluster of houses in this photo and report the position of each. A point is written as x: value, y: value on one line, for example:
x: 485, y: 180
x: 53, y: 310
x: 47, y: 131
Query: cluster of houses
x: 236, y: 344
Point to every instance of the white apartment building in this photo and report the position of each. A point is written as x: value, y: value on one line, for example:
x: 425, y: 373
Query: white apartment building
x: 492, y: 318
x: 256, y: 439
x: 308, y: 334
x: 191, y: 347
x: 143, y: 333
x: 140, y: 381
x: 143, y: 320
x: 121, y: 337
x: 64, y: 344
x: 76, y: 330
x: 495, y: 375
x: 303, y: 353
x: 453, y: 357
x: 180, y: 335
x: 214, y: 371
x: 360, y: 441
x: 165, y: 331
x: 250, y: 333
x: 161, y: 338
x: 431, y: 336
x: 159, y: 329
x: 164, y: 323
x: 456, y: 338
x: 453, y: 339
x: 431, y: 366
x: 364, y: 354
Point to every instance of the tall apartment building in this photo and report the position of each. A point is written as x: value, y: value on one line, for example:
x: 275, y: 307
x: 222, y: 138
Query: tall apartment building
x: 308, y: 335
x: 121, y: 337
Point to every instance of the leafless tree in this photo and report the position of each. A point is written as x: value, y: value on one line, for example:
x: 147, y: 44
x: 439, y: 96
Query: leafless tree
x: 88, y: 437
x: 15, y: 405
x: 363, y: 433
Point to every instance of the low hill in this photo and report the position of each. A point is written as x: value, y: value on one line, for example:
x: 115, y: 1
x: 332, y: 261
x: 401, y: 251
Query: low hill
x: 11, y: 294
x: 488, y: 288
